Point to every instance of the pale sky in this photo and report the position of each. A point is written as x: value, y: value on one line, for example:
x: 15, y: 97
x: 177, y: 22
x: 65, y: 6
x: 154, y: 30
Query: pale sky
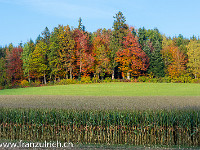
x: 25, y: 19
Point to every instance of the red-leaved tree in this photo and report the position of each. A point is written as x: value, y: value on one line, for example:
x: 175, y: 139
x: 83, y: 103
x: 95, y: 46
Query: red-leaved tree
x: 14, y: 65
x: 83, y: 52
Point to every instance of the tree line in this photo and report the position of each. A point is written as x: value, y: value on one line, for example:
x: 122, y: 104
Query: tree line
x: 121, y: 52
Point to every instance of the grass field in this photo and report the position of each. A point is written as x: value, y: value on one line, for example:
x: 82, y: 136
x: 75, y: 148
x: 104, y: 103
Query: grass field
x: 111, y: 89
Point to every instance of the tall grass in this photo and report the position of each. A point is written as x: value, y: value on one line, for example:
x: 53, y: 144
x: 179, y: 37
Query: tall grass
x: 161, y: 127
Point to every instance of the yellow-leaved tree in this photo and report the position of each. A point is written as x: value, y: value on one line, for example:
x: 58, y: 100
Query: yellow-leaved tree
x: 194, y: 57
x: 38, y: 63
x: 174, y: 59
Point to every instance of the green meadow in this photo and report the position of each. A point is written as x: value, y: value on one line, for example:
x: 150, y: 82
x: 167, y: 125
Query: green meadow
x: 111, y: 89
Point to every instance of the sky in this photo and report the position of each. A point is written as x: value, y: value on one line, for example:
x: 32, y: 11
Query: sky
x: 21, y: 20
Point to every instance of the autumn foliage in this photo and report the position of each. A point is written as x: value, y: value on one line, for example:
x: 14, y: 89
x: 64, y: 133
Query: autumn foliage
x: 176, y: 60
x: 83, y: 52
x: 100, y: 52
x: 14, y: 64
x: 131, y: 58
x: 123, y: 53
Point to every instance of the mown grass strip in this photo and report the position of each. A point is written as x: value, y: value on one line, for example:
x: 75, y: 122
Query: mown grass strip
x: 111, y: 89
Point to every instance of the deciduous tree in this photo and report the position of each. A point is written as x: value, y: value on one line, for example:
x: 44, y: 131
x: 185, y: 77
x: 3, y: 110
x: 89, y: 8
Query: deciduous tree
x: 132, y: 59
x: 176, y: 60
x: 38, y: 63
x: 67, y: 49
x: 84, y: 59
x: 14, y: 64
x: 194, y: 57
x: 27, y: 50
x: 101, y: 43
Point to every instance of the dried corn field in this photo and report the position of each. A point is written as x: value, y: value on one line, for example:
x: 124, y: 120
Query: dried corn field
x: 161, y: 127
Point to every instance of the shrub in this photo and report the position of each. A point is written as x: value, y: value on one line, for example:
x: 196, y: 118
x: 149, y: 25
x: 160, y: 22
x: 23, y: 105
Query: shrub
x: 96, y: 80
x: 182, y: 79
x: 12, y: 85
x: 154, y: 80
x: 35, y: 84
x: 125, y: 80
x: 186, y: 79
x: 66, y: 81
x: 24, y: 83
x: 107, y: 80
x: 50, y: 83
x: 133, y: 79
x: 195, y: 81
x: 86, y: 79
x: 116, y: 80
x: 165, y: 79
x: 78, y: 82
x: 8, y: 86
x: 143, y: 79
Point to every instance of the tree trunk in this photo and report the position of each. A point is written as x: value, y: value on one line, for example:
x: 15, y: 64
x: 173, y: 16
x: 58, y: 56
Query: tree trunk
x: 101, y: 75
x: 29, y: 80
x: 66, y: 74
x: 55, y: 78
x: 113, y: 74
x: 128, y: 75
x: 70, y: 73
x: 79, y: 75
x: 45, y: 81
x: 80, y: 69
x: 122, y: 75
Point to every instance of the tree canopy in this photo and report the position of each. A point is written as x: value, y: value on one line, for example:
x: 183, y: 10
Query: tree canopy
x: 122, y: 52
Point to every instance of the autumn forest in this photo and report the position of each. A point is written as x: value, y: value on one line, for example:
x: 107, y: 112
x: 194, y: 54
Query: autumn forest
x: 122, y: 52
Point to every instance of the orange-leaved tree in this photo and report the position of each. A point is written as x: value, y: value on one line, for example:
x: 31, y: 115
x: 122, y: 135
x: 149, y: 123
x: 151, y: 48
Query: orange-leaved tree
x: 175, y: 60
x: 132, y: 59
